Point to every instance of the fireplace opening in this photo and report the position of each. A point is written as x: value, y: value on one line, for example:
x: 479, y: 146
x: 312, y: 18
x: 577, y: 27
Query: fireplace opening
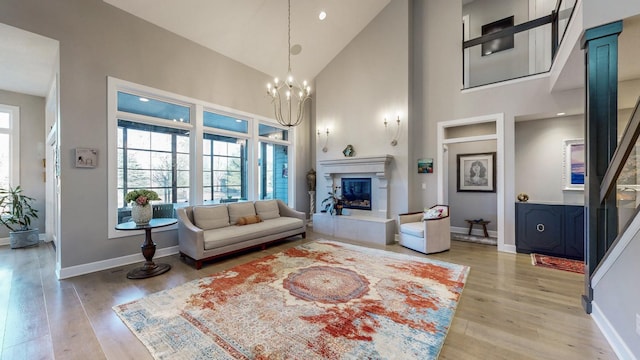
x: 356, y: 193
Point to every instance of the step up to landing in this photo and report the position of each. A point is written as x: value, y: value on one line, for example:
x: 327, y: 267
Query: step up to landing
x: 474, y: 239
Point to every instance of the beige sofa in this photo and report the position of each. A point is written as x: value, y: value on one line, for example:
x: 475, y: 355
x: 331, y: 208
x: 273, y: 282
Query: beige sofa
x: 209, y: 231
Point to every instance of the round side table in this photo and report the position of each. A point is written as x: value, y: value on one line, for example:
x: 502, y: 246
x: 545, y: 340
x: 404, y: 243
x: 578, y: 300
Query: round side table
x: 149, y: 269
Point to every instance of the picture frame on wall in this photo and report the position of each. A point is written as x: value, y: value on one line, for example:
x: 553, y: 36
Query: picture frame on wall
x: 425, y: 166
x: 86, y: 158
x: 573, y: 164
x: 499, y: 44
x: 476, y: 172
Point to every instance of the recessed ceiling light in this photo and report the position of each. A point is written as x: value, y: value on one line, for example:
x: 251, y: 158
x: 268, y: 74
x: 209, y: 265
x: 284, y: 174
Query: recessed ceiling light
x: 561, y: 113
x: 322, y: 15
x: 144, y: 99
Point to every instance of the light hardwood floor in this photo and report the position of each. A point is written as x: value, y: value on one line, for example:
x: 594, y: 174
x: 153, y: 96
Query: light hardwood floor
x: 509, y: 309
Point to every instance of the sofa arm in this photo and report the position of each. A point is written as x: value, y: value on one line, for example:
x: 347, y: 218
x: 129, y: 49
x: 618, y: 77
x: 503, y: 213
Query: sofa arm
x: 190, y: 237
x: 410, y: 217
x: 290, y: 212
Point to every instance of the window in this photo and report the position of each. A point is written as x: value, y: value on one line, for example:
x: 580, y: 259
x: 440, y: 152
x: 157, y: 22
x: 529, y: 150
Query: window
x: 224, y: 168
x: 154, y: 158
x: 190, y: 152
x: 273, y: 163
x: 9, y: 146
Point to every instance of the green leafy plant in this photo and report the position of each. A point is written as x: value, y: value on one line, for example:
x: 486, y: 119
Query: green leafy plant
x: 332, y: 201
x: 141, y: 196
x: 16, y: 209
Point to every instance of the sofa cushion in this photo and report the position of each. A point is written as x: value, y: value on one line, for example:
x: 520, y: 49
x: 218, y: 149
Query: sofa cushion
x: 210, y: 217
x: 234, y: 234
x: 267, y: 209
x: 248, y: 220
x: 413, y: 228
x: 240, y: 209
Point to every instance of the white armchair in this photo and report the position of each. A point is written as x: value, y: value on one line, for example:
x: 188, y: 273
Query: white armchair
x: 426, y: 234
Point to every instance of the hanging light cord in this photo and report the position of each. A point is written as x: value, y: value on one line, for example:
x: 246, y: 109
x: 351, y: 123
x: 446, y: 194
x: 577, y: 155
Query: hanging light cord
x: 289, y: 37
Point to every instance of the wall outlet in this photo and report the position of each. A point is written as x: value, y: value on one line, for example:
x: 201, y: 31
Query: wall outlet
x: 638, y: 324
x: 424, y: 186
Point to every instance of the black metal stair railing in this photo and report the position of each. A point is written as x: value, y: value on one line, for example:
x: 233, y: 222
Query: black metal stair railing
x: 558, y: 21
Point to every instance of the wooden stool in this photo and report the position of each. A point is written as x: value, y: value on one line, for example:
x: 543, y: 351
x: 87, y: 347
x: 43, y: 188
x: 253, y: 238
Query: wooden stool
x: 479, y: 222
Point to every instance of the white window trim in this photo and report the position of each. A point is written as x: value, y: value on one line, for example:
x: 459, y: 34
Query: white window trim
x: 197, y: 130
x: 14, y: 135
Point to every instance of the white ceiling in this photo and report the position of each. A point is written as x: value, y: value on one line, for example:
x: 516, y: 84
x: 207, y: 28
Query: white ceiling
x: 254, y: 32
x: 27, y: 61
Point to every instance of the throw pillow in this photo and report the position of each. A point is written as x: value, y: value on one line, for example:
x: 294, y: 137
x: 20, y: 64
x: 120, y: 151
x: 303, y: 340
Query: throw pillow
x: 267, y: 209
x: 210, y: 217
x: 433, y: 214
x: 246, y: 220
x: 240, y: 209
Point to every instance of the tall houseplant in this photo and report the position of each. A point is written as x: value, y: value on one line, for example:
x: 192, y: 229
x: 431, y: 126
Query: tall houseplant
x: 16, y: 213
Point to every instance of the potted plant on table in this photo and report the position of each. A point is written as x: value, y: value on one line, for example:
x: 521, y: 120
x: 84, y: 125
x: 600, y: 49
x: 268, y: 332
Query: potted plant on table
x: 141, y: 210
x: 16, y: 213
x: 333, y: 202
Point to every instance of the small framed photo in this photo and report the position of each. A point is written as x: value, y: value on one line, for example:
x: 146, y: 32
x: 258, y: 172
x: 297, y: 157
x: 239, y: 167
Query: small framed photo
x: 477, y: 172
x: 425, y: 166
x: 573, y: 164
x: 86, y: 158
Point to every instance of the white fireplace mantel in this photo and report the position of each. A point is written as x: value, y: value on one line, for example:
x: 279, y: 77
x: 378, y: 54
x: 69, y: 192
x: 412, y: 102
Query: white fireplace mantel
x: 357, y: 165
x: 374, y: 167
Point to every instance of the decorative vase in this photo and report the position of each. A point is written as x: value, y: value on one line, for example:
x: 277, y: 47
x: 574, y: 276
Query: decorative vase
x: 141, y: 214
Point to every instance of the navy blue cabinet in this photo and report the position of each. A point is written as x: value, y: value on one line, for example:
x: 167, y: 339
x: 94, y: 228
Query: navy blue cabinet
x: 556, y: 230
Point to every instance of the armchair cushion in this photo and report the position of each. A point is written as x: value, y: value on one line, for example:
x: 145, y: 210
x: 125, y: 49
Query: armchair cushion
x: 413, y: 228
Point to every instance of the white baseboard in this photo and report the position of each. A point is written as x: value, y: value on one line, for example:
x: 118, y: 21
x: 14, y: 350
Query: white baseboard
x: 77, y: 270
x: 5, y: 241
x: 617, y: 343
x: 507, y: 248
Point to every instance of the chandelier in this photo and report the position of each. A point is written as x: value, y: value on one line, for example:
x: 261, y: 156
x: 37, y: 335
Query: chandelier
x: 289, y: 97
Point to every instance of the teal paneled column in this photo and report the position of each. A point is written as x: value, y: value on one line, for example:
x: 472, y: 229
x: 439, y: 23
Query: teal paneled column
x: 601, y: 119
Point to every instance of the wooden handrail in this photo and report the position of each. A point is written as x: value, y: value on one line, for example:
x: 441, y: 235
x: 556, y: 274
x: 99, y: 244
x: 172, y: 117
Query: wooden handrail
x: 621, y: 155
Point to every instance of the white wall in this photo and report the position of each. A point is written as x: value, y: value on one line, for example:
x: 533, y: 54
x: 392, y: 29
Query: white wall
x: 96, y: 41
x: 366, y: 81
x: 436, y: 96
x: 32, y: 150
x: 505, y: 64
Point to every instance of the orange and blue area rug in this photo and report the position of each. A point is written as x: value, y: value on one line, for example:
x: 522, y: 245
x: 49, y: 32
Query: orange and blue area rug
x: 557, y: 263
x: 320, y: 300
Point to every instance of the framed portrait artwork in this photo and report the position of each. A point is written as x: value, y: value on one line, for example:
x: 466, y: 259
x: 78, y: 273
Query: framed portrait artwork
x: 573, y: 164
x: 477, y: 172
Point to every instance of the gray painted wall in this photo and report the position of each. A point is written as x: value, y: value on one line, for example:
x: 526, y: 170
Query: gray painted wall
x: 96, y: 41
x: 366, y: 81
x: 470, y: 205
x: 539, y: 158
x: 32, y: 150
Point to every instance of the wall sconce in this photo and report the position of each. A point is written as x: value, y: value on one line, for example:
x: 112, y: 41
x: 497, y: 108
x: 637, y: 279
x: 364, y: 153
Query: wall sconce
x: 326, y: 140
x: 394, y: 140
